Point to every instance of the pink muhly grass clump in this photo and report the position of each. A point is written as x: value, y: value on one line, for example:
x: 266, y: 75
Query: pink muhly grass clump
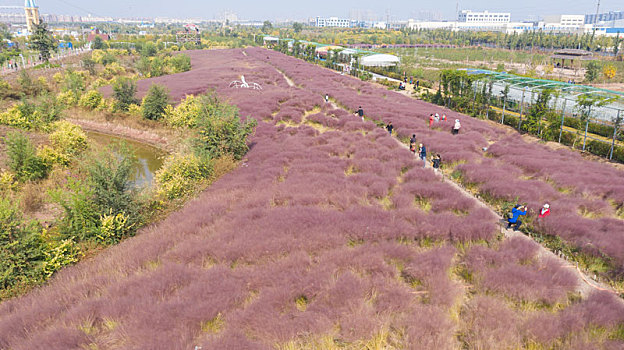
x: 490, y: 325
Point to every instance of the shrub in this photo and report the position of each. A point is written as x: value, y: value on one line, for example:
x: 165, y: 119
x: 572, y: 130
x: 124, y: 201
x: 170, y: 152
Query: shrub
x: 8, y: 183
x: 180, y: 63
x: 110, y: 174
x: 155, y: 102
x: 68, y: 138
x: 220, y: 131
x: 149, y: 50
x: 67, y: 98
x: 74, y: 82
x: 185, y: 114
x: 81, y: 217
x: 92, y: 99
x: 180, y: 174
x: 89, y: 65
x: 114, y: 227
x: 123, y: 92
x: 23, y: 159
x: 6, y: 91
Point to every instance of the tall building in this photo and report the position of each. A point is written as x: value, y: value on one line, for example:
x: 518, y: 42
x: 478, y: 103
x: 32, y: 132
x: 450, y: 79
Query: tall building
x: 32, y: 14
x: 468, y: 16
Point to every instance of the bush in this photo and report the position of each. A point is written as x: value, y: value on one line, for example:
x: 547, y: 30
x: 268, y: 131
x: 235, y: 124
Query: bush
x: 67, y: 98
x: 180, y: 63
x: 155, y: 102
x: 114, y: 227
x: 74, y: 82
x: 123, y: 92
x: 110, y: 173
x: 81, y: 216
x: 21, y: 248
x: 220, y: 131
x: 180, y: 174
x: 92, y: 99
x: 68, y: 138
x: 185, y: 114
x: 89, y: 65
x: 23, y: 159
x: 149, y: 50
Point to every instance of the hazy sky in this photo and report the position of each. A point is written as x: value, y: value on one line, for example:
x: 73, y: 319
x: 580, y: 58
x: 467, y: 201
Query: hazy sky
x: 292, y: 9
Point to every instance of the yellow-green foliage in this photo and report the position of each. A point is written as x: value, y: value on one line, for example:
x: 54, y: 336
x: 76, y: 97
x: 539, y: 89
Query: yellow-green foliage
x: 113, y: 227
x: 184, y: 114
x: 68, y: 98
x: 59, y: 254
x: 92, y: 99
x: 112, y: 70
x: 19, y: 118
x: 68, y: 140
x: 97, y: 55
x: 58, y: 78
x: 43, y: 82
x: 215, y: 325
x: 8, y: 182
x: 135, y: 110
x: 99, y: 82
x: 180, y: 174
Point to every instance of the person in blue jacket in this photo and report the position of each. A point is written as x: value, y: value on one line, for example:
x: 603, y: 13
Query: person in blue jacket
x: 516, y: 212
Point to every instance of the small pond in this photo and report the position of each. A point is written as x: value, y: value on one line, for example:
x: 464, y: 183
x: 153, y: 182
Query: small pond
x: 148, y: 158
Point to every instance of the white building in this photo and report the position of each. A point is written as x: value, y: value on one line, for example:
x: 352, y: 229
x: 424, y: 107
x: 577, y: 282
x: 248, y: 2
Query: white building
x: 502, y: 27
x: 469, y: 16
x: 565, y: 24
x: 333, y: 22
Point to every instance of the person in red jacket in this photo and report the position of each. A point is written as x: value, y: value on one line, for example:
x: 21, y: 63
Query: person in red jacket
x: 544, y: 212
x: 431, y: 120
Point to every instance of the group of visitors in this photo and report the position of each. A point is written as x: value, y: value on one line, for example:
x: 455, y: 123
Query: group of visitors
x: 422, y: 154
x: 513, y: 218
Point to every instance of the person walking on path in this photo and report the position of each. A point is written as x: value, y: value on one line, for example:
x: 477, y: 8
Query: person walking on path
x: 326, y: 98
x: 544, y: 212
x: 390, y: 127
x: 456, y: 127
x: 435, y: 163
x: 516, y: 212
x: 413, y: 143
x: 430, y: 120
x: 422, y: 154
x: 417, y: 83
x: 360, y: 112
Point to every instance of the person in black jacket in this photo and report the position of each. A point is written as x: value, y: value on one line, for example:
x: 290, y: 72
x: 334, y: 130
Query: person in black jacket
x: 390, y: 127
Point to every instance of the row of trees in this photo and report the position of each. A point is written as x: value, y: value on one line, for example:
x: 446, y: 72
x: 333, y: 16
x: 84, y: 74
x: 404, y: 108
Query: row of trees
x: 472, y: 94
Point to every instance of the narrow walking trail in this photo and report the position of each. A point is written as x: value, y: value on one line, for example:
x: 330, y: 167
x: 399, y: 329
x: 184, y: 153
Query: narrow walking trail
x: 585, y: 286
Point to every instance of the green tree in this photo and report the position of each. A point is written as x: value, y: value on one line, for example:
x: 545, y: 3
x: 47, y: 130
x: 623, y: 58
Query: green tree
x: 297, y: 27
x: 149, y: 49
x: 180, y: 63
x: 616, y: 44
x: 22, y: 157
x: 98, y: 43
x: 89, y: 65
x: 155, y: 102
x: 266, y: 27
x: 124, y: 90
x: 592, y: 72
x: 220, y: 130
x: 41, y: 40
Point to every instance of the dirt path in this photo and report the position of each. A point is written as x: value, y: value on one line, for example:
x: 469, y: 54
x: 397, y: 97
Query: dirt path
x: 585, y: 286
x: 288, y: 80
